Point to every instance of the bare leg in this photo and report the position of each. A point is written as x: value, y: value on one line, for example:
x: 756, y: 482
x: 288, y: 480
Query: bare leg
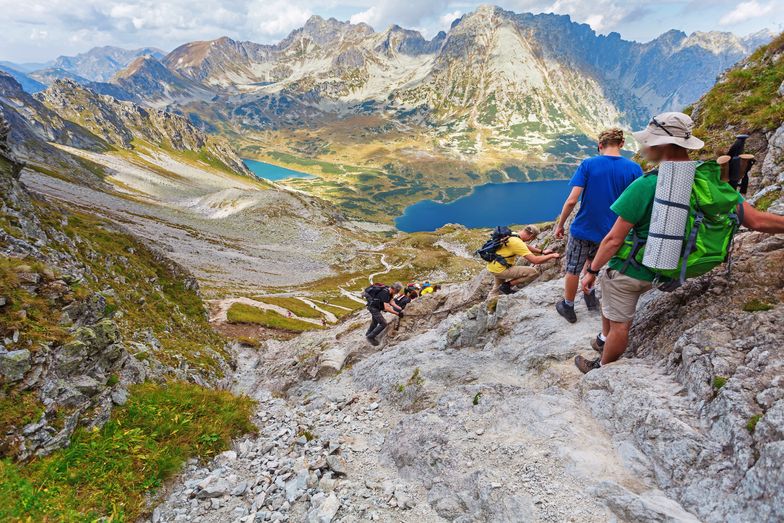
x: 570, y: 286
x: 605, y: 326
x: 617, y: 341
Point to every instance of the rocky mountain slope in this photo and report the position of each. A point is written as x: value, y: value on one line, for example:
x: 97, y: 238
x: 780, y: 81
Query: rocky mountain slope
x: 86, y: 311
x: 127, y: 125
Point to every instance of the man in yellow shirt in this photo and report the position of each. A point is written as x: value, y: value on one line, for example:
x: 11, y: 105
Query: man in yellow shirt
x: 506, y: 277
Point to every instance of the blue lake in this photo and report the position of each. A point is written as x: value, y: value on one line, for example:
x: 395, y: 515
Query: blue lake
x: 272, y: 172
x: 490, y: 205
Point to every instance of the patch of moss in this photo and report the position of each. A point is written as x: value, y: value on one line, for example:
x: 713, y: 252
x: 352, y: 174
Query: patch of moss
x: 719, y: 382
x: 110, y: 472
x: 751, y: 425
x: 757, y: 305
x: 764, y: 203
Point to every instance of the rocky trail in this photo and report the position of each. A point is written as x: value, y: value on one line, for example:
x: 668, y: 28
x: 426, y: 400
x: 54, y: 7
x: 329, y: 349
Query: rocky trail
x: 440, y: 424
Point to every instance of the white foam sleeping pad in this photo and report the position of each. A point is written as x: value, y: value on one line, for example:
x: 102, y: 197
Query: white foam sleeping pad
x: 670, y: 214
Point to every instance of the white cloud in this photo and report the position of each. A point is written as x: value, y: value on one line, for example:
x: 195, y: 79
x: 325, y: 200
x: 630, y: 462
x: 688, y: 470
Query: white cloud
x: 746, y: 11
x: 31, y: 27
x: 384, y: 13
x: 446, y: 20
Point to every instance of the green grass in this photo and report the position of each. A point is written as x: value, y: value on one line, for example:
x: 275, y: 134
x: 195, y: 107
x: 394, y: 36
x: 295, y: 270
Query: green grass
x: 297, y: 307
x: 719, y: 382
x: 764, y: 203
x: 756, y: 305
x: 35, y: 317
x: 110, y: 472
x: 242, y: 313
x: 751, y: 425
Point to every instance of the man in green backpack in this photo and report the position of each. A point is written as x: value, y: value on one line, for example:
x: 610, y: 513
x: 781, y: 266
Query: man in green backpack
x: 668, y: 137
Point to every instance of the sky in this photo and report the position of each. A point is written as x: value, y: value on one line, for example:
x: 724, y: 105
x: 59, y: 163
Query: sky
x: 40, y: 30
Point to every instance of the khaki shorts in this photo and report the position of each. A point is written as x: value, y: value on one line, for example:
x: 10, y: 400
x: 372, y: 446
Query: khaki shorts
x: 516, y: 272
x: 620, y: 294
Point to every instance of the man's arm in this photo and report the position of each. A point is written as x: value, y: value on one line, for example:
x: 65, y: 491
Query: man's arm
x: 392, y: 308
x: 607, y: 249
x: 757, y: 220
x: 536, y: 260
x: 568, y: 207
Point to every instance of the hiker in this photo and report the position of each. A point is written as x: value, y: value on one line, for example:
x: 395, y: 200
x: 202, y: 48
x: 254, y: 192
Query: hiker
x: 596, y: 184
x: 379, y: 300
x: 427, y: 289
x: 511, y: 246
x: 667, y: 138
x: 407, y: 297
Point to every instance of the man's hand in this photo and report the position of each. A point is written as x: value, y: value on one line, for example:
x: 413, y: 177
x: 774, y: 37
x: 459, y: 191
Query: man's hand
x: 554, y: 255
x: 559, y: 232
x: 589, y: 280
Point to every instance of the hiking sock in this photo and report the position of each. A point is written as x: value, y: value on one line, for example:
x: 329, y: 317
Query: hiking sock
x: 570, y: 303
x: 602, y: 337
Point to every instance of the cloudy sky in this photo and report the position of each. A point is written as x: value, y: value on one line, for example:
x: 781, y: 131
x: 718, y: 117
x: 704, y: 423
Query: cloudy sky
x: 39, y: 30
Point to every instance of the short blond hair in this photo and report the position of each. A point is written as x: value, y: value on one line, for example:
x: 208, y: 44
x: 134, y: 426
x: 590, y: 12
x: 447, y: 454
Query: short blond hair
x: 612, y: 136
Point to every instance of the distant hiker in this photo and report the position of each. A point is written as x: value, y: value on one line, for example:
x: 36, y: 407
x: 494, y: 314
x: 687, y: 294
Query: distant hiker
x: 288, y: 313
x: 427, y: 289
x: 596, y: 184
x: 407, y: 297
x: 379, y: 300
x: 667, y: 138
x: 501, y: 253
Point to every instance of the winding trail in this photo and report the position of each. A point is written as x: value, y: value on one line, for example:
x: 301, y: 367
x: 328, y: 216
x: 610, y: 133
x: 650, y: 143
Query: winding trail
x: 220, y: 308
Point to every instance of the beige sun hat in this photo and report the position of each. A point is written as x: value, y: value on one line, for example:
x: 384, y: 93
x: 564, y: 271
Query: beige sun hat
x: 669, y: 128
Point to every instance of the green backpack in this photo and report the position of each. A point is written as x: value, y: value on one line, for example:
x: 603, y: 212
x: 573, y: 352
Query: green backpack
x: 714, y: 218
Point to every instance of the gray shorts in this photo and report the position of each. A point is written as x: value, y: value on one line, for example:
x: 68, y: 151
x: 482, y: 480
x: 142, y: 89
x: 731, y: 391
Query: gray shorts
x: 578, y: 252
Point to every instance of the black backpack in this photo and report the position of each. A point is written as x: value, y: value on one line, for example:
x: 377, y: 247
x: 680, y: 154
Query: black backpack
x: 489, y: 251
x: 371, y: 294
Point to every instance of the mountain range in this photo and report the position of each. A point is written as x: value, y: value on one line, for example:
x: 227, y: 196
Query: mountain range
x: 394, y: 115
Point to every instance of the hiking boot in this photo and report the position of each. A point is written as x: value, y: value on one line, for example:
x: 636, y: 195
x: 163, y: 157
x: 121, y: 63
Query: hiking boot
x: 372, y: 340
x: 585, y: 365
x: 597, y: 344
x: 591, y: 301
x: 506, y: 288
x: 567, y: 311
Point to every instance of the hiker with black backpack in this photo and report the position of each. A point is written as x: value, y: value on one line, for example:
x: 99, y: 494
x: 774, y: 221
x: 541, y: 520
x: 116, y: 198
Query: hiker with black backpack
x: 501, y: 252
x: 673, y: 224
x: 379, y: 300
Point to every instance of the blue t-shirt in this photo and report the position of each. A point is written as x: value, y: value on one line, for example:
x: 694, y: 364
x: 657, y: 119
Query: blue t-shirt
x: 603, y: 179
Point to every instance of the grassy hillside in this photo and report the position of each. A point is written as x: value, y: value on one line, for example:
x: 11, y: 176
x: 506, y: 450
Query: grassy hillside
x: 747, y: 99
x: 107, y: 368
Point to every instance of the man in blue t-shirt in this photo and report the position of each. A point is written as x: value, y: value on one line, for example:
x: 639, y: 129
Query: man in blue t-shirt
x: 600, y: 181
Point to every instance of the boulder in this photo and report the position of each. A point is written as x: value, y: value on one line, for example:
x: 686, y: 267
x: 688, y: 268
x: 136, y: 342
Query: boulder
x: 14, y: 365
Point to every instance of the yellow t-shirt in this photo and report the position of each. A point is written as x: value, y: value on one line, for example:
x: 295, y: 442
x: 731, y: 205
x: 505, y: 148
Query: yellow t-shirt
x: 514, y: 247
x: 426, y: 291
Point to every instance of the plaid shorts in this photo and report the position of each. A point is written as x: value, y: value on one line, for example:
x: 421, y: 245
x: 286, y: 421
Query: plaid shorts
x: 578, y: 252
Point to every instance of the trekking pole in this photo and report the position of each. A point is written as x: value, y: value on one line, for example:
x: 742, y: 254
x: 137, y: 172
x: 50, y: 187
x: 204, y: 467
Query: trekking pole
x: 739, y: 164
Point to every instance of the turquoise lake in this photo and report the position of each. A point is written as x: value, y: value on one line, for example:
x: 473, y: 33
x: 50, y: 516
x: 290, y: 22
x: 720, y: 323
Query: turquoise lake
x: 490, y: 205
x: 272, y: 172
